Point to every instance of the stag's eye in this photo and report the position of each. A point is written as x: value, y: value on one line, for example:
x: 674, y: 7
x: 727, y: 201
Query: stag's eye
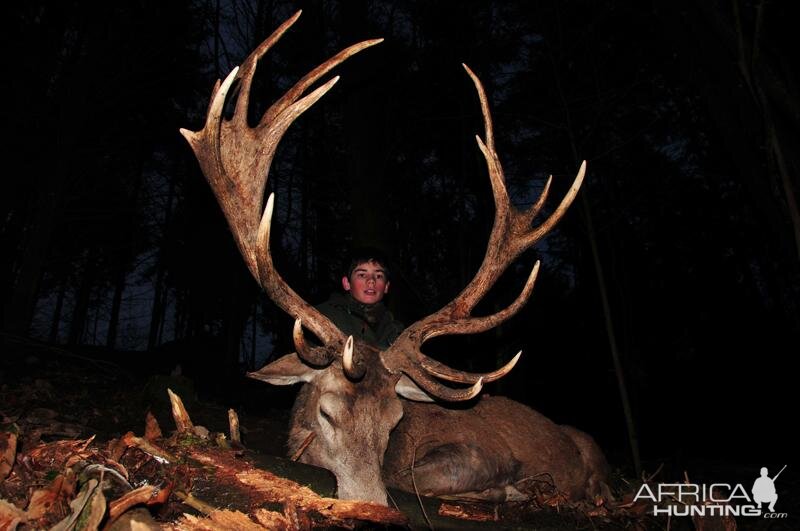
x: 326, y: 416
x: 328, y: 407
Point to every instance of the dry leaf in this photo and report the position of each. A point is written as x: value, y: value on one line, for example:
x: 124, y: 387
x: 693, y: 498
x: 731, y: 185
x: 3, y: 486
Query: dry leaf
x: 152, y: 430
x: 8, y: 449
x: 10, y: 516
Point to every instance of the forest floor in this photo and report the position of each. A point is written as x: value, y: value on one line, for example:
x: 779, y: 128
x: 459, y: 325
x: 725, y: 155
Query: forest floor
x: 52, y: 396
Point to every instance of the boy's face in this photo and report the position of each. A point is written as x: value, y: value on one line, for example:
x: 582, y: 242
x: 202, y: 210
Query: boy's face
x: 367, y: 284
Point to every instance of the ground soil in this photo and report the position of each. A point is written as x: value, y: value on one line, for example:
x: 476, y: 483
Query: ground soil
x: 52, y: 394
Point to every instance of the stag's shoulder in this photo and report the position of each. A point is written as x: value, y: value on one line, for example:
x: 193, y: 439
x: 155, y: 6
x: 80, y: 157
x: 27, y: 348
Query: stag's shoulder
x: 499, y: 403
x: 501, y: 409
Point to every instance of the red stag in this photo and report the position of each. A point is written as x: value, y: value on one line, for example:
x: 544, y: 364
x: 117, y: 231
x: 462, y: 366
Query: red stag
x: 352, y: 397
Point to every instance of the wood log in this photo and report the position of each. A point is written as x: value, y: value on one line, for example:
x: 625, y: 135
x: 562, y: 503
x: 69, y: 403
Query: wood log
x: 233, y: 422
x: 182, y: 421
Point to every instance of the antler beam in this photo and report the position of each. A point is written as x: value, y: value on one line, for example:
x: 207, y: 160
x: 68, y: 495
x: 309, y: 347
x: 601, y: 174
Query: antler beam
x: 236, y: 159
x: 511, y: 234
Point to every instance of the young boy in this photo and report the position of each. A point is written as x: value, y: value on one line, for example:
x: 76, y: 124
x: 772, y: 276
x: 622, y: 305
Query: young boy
x: 360, y: 311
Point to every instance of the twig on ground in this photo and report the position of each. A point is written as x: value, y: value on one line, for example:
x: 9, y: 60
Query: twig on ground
x: 299, y: 452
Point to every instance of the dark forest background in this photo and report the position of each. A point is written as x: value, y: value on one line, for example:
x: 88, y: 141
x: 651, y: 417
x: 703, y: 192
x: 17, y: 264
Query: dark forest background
x: 680, y: 258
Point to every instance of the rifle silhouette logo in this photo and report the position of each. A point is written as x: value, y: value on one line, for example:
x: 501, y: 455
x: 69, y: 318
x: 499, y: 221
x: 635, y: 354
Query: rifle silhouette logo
x: 764, y: 489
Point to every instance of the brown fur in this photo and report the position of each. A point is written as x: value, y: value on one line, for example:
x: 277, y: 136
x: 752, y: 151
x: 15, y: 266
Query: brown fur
x: 352, y: 436
x: 452, y: 450
x: 493, y: 444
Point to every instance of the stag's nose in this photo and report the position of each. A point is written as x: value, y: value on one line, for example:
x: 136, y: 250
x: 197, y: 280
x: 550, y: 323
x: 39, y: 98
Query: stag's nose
x: 371, y: 492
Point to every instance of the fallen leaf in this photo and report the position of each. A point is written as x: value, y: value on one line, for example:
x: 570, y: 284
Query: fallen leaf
x: 8, y: 449
x: 10, y: 516
x: 78, y: 505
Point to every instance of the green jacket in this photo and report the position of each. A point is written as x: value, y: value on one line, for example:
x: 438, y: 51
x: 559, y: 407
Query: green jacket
x: 371, y: 323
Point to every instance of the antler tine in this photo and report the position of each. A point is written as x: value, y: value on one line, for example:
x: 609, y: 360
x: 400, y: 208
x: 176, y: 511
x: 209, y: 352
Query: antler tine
x: 436, y: 389
x: 201, y: 141
x: 533, y: 211
x: 501, y: 199
x: 536, y: 234
x: 511, y: 235
x: 440, y: 370
x: 353, y: 366
x: 313, y: 76
x: 320, y: 356
x: 249, y: 66
x: 476, y: 325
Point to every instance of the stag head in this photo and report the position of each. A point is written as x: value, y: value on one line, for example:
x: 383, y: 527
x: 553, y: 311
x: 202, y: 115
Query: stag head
x: 351, y: 402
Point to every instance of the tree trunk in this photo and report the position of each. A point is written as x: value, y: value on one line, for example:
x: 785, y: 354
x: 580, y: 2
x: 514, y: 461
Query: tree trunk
x: 116, y: 303
x: 156, y: 311
x: 82, y: 299
x: 703, y: 35
x: 56, y: 321
x: 765, y: 87
x: 50, y: 166
x: 364, y: 139
x: 251, y: 363
x: 21, y: 303
x: 159, y: 291
x: 613, y: 346
x: 234, y: 322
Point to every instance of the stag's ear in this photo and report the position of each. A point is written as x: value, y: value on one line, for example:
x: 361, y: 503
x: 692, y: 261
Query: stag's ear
x: 406, y: 388
x: 287, y: 370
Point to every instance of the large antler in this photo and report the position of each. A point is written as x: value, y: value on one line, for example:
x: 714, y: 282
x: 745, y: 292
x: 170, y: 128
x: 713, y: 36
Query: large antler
x: 236, y: 158
x: 511, y: 235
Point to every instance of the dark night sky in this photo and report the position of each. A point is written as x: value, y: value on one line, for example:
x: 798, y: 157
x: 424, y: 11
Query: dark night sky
x: 688, y: 210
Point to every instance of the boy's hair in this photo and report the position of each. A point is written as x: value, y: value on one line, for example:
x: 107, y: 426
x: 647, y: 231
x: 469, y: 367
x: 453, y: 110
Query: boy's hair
x: 362, y: 255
